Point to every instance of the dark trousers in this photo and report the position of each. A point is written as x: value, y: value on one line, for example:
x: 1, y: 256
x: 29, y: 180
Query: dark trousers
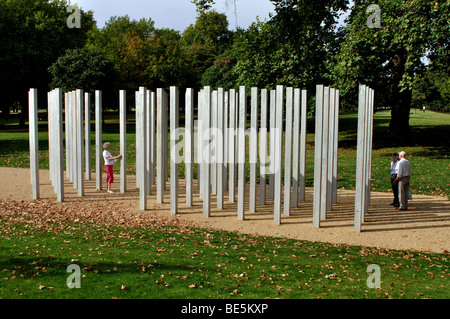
x: 395, y: 189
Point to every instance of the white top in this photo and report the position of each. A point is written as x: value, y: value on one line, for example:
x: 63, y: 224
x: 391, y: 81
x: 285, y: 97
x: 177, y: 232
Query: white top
x: 404, y: 168
x: 107, y: 154
x: 394, y: 167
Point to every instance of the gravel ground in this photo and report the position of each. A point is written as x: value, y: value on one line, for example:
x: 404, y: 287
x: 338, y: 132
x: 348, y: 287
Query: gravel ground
x: 424, y: 227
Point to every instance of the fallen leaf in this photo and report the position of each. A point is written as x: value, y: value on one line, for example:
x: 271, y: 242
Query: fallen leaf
x: 235, y: 291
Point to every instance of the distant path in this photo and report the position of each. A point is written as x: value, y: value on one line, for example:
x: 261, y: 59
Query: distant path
x: 425, y: 227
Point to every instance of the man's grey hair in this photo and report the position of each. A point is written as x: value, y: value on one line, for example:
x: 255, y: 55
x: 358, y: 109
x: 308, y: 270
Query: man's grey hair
x: 105, y: 145
x: 402, y: 154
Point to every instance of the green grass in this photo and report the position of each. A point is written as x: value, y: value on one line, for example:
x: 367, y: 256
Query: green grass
x: 429, y: 153
x: 160, y: 260
x: 157, y: 259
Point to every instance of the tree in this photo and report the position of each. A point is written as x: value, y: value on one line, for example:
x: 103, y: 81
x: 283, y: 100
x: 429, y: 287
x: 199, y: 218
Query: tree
x: 389, y: 58
x: 87, y: 69
x: 432, y: 89
x: 34, y: 33
x: 82, y: 68
x: 133, y: 61
x: 122, y: 40
x: 221, y: 74
x: 308, y: 30
x: 203, y: 5
x: 293, y: 48
x: 142, y: 54
x: 210, y: 28
x: 259, y: 59
x: 167, y: 60
x: 203, y: 41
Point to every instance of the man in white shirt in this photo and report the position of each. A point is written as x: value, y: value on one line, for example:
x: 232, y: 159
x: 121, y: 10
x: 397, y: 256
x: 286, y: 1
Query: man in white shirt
x: 404, y: 174
x: 394, y: 173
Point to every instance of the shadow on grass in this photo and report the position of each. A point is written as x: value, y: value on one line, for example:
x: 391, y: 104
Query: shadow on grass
x: 27, y: 265
x: 18, y: 145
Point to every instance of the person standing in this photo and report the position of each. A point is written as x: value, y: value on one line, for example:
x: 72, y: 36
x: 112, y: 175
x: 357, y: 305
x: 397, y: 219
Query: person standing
x: 404, y: 174
x: 394, y: 173
x: 109, y: 162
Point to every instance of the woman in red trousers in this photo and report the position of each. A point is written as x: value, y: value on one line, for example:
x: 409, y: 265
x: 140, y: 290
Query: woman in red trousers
x: 109, y: 162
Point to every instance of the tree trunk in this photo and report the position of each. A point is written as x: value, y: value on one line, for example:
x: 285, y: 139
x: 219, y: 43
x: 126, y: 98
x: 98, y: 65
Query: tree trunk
x: 399, y: 126
x: 24, y: 112
x: 5, y: 111
x: 400, y: 102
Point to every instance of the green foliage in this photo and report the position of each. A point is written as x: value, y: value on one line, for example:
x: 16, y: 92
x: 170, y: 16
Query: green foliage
x: 122, y: 42
x: 152, y: 62
x: 308, y: 30
x: 167, y: 63
x: 388, y: 58
x: 112, y: 37
x: 292, y: 48
x: 210, y: 28
x: 432, y: 89
x: 203, y: 5
x: 221, y: 74
x: 258, y: 58
x: 204, y: 41
x: 34, y: 34
x: 83, y: 68
x: 145, y: 56
x: 300, y: 45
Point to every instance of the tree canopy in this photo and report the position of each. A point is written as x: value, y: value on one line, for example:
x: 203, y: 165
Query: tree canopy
x: 390, y: 58
x: 34, y: 33
x: 404, y: 56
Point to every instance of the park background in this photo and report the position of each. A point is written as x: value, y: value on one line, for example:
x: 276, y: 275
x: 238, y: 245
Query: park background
x: 406, y: 62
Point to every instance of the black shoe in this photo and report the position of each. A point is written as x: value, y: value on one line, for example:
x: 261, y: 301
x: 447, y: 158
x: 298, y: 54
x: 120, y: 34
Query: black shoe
x: 392, y: 204
x: 396, y: 205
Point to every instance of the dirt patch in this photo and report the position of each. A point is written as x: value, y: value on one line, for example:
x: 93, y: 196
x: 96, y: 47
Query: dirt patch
x: 424, y: 227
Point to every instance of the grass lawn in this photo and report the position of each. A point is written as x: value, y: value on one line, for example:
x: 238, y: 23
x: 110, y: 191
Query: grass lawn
x: 428, y: 153
x: 38, y: 241
x: 163, y: 261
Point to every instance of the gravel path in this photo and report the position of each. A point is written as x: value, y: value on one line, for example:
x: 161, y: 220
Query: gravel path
x: 424, y: 227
